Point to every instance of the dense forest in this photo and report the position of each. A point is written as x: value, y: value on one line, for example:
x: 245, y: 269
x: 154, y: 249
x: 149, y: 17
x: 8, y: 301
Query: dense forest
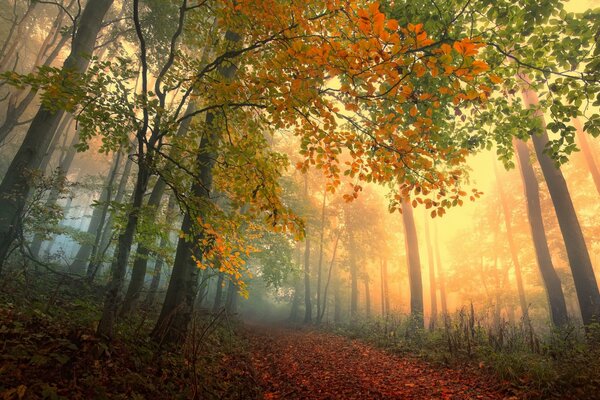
x: 278, y: 199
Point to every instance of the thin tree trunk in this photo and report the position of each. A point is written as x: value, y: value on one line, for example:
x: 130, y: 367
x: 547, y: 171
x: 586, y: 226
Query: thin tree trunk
x: 218, y: 293
x: 138, y: 272
x: 96, y: 222
x: 554, y: 292
x: 307, y: 291
x: 432, y: 281
x: 441, y: 274
x: 231, y: 300
x: 367, y: 295
x: 513, y: 248
x: 577, y: 252
x: 119, y: 266
x: 16, y: 186
x: 160, y: 261
x: 320, y: 264
x: 335, y: 246
x: 414, y: 264
x: 353, y: 278
x: 587, y: 153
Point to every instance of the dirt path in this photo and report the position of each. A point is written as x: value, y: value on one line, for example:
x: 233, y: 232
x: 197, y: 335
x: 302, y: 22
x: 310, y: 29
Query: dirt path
x: 294, y: 364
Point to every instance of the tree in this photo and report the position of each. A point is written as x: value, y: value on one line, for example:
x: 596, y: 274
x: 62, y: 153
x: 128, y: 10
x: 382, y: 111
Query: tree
x: 513, y: 249
x: 414, y: 264
x: 432, y: 280
x: 15, y: 186
x: 552, y: 284
x: 579, y: 259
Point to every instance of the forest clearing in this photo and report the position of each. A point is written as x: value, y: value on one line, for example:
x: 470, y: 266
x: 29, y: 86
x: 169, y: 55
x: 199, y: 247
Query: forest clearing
x: 320, y: 199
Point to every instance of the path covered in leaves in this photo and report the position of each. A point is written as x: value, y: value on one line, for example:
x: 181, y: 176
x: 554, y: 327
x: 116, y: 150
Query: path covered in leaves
x: 295, y: 364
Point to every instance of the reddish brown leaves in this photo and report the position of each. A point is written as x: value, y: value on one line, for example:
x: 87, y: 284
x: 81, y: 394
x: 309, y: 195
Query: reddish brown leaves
x: 313, y: 365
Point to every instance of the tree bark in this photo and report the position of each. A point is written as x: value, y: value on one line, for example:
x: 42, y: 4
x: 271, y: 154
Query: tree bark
x: 587, y: 153
x: 554, y: 292
x: 432, y: 281
x: 320, y: 264
x: 15, y: 186
x: 160, y: 261
x: 119, y: 266
x: 414, y: 264
x: 577, y: 252
x: 138, y: 272
x: 335, y: 246
x: 367, y: 295
x: 307, y: 291
x: 441, y: 275
x: 512, y: 246
x: 217, y: 304
x: 353, y: 278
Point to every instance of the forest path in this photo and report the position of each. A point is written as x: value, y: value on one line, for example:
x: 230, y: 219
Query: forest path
x: 300, y: 364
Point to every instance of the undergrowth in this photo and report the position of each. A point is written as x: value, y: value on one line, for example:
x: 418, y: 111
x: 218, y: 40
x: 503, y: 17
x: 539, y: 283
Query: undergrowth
x: 559, y: 363
x: 50, y: 351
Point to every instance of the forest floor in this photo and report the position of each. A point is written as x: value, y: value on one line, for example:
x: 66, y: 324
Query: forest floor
x: 307, y: 364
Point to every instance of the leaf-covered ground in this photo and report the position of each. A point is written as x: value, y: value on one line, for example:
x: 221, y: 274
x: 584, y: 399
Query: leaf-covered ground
x: 295, y: 364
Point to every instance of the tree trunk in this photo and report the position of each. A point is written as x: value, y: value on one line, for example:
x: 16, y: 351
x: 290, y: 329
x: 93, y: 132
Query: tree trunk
x: 554, y: 292
x: 385, y: 293
x: 353, y: 278
x: 320, y: 264
x: 231, y: 300
x: 119, y: 265
x: 367, y: 296
x: 512, y: 246
x: 441, y: 275
x: 177, y: 309
x: 587, y: 153
x: 160, y: 261
x: 97, y: 221
x: 414, y: 264
x: 335, y: 246
x: 337, y: 297
x: 16, y: 186
x: 577, y: 252
x: 218, y: 293
x: 432, y: 282
x: 307, y: 291
x: 138, y: 273
x: 295, y: 309
x: 63, y: 168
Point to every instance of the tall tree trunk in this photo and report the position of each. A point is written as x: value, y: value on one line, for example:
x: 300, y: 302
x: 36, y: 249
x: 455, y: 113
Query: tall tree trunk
x: 98, y: 253
x: 64, y: 165
x: 335, y: 246
x: 353, y: 278
x: 231, y: 300
x: 367, y: 295
x: 218, y: 293
x: 320, y: 264
x: 512, y: 246
x: 160, y: 261
x: 441, y: 274
x: 97, y: 221
x: 138, y: 273
x: 119, y: 266
x: 577, y: 252
x: 554, y: 292
x: 385, y: 292
x: 337, y: 297
x: 414, y: 264
x: 432, y: 282
x: 587, y: 153
x: 307, y: 291
x: 16, y: 186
